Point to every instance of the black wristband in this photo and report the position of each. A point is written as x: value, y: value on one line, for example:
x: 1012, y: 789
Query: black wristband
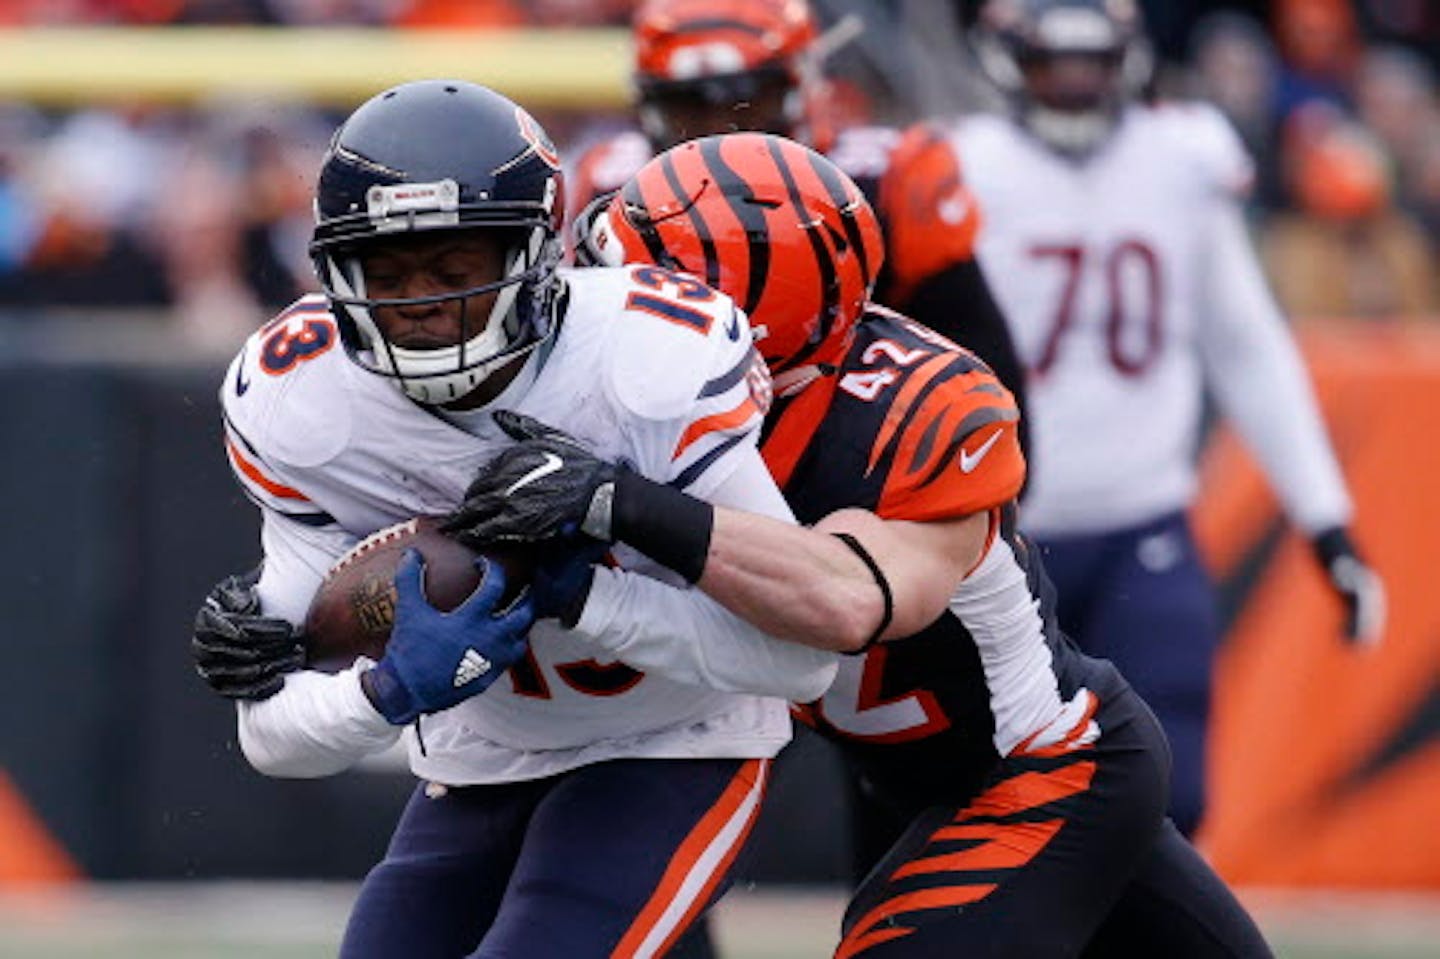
x: 670, y: 527
x: 889, y: 612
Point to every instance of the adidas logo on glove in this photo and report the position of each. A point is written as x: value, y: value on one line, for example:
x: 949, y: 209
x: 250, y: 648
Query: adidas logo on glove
x: 472, y: 666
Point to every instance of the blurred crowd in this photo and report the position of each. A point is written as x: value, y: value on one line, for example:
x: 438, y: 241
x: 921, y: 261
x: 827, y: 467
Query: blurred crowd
x: 1346, y: 132
x: 402, y: 13
x: 204, y: 211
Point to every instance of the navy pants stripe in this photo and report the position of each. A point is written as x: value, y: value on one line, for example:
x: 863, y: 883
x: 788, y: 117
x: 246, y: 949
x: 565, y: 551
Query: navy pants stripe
x: 612, y: 859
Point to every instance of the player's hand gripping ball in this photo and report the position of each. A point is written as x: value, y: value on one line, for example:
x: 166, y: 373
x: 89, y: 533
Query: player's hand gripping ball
x: 354, y: 609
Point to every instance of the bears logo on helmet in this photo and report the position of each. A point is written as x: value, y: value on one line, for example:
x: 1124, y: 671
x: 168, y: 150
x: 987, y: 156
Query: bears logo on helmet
x: 538, y: 139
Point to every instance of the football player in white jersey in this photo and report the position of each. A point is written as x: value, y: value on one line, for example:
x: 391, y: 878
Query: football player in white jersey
x: 570, y: 806
x: 1117, y: 247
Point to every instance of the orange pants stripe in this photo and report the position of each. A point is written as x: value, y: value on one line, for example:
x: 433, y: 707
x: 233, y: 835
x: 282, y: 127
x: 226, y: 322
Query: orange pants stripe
x: 698, y: 866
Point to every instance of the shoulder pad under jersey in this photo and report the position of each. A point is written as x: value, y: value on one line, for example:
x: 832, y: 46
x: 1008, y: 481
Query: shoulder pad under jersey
x: 930, y: 215
x: 978, y: 131
x: 286, y: 404
x: 951, y: 431
x: 679, y: 359
x: 1208, y: 144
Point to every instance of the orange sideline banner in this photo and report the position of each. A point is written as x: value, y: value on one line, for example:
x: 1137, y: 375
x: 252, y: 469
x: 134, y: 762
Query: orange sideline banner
x: 1325, y: 760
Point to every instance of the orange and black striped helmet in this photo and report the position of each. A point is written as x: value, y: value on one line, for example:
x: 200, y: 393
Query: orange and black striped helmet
x: 768, y: 221
x: 719, y: 55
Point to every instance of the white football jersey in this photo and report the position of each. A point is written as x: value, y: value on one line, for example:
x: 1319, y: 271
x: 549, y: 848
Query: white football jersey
x: 1101, y: 269
x: 648, y: 368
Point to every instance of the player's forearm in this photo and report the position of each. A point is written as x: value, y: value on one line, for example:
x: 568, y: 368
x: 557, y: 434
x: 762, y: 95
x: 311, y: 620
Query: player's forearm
x: 318, y: 725
x: 1279, y: 418
x: 806, y: 585
x: 684, y: 635
x: 791, y: 581
x: 809, y: 587
x: 743, y: 548
x: 1260, y: 383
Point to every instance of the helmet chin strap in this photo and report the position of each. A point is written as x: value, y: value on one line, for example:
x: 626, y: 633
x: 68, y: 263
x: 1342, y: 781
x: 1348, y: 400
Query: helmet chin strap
x: 437, y: 375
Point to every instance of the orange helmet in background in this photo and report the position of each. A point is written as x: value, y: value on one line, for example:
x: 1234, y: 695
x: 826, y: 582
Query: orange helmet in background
x: 704, y: 67
x: 1340, y: 174
x: 766, y: 220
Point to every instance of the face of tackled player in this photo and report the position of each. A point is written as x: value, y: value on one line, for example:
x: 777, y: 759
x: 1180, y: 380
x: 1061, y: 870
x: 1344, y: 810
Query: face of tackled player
x: 418, y: 281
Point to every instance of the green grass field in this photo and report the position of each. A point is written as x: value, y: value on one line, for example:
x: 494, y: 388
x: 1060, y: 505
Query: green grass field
x: 303, y: 921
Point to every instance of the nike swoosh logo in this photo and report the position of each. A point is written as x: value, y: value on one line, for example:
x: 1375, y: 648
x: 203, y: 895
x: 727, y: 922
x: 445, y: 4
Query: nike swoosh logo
x: 241, y: 384
x: 733, y: 330
x: 552, y: 464
x: 968, y: 461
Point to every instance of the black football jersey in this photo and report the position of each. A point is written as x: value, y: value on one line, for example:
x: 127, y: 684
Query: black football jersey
x: 912, y: 427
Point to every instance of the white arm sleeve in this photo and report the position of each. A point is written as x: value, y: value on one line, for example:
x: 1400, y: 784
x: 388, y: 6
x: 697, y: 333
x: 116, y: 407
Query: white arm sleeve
x: 319, y: 723
x: 686, y: 636
x: 1256, y: 374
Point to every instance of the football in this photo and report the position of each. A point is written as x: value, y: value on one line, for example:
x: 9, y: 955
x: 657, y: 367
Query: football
x: 353, y: 610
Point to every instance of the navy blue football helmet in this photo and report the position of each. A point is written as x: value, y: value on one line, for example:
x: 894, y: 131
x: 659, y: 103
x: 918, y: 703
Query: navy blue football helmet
x: 441, y: 155
x: 1067, y: 67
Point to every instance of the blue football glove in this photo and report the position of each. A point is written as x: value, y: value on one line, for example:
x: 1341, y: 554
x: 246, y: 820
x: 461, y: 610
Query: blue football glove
x: 561, y: 581
x: 436, y: 659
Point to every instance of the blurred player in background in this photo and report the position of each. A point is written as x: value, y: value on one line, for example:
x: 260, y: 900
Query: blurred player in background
x: 574, y: 807
x: 715, y: 66
x: 1029, y: 779
x: 1117, y: 246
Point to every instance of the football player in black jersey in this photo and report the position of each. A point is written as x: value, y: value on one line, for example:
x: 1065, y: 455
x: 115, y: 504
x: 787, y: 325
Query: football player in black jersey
x: 1031, y: 780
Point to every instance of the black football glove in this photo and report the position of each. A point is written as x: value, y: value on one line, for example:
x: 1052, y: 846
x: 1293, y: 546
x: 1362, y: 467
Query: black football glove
x: 238, y: 652
x: 546, y: 487
x: 1357, y: 585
